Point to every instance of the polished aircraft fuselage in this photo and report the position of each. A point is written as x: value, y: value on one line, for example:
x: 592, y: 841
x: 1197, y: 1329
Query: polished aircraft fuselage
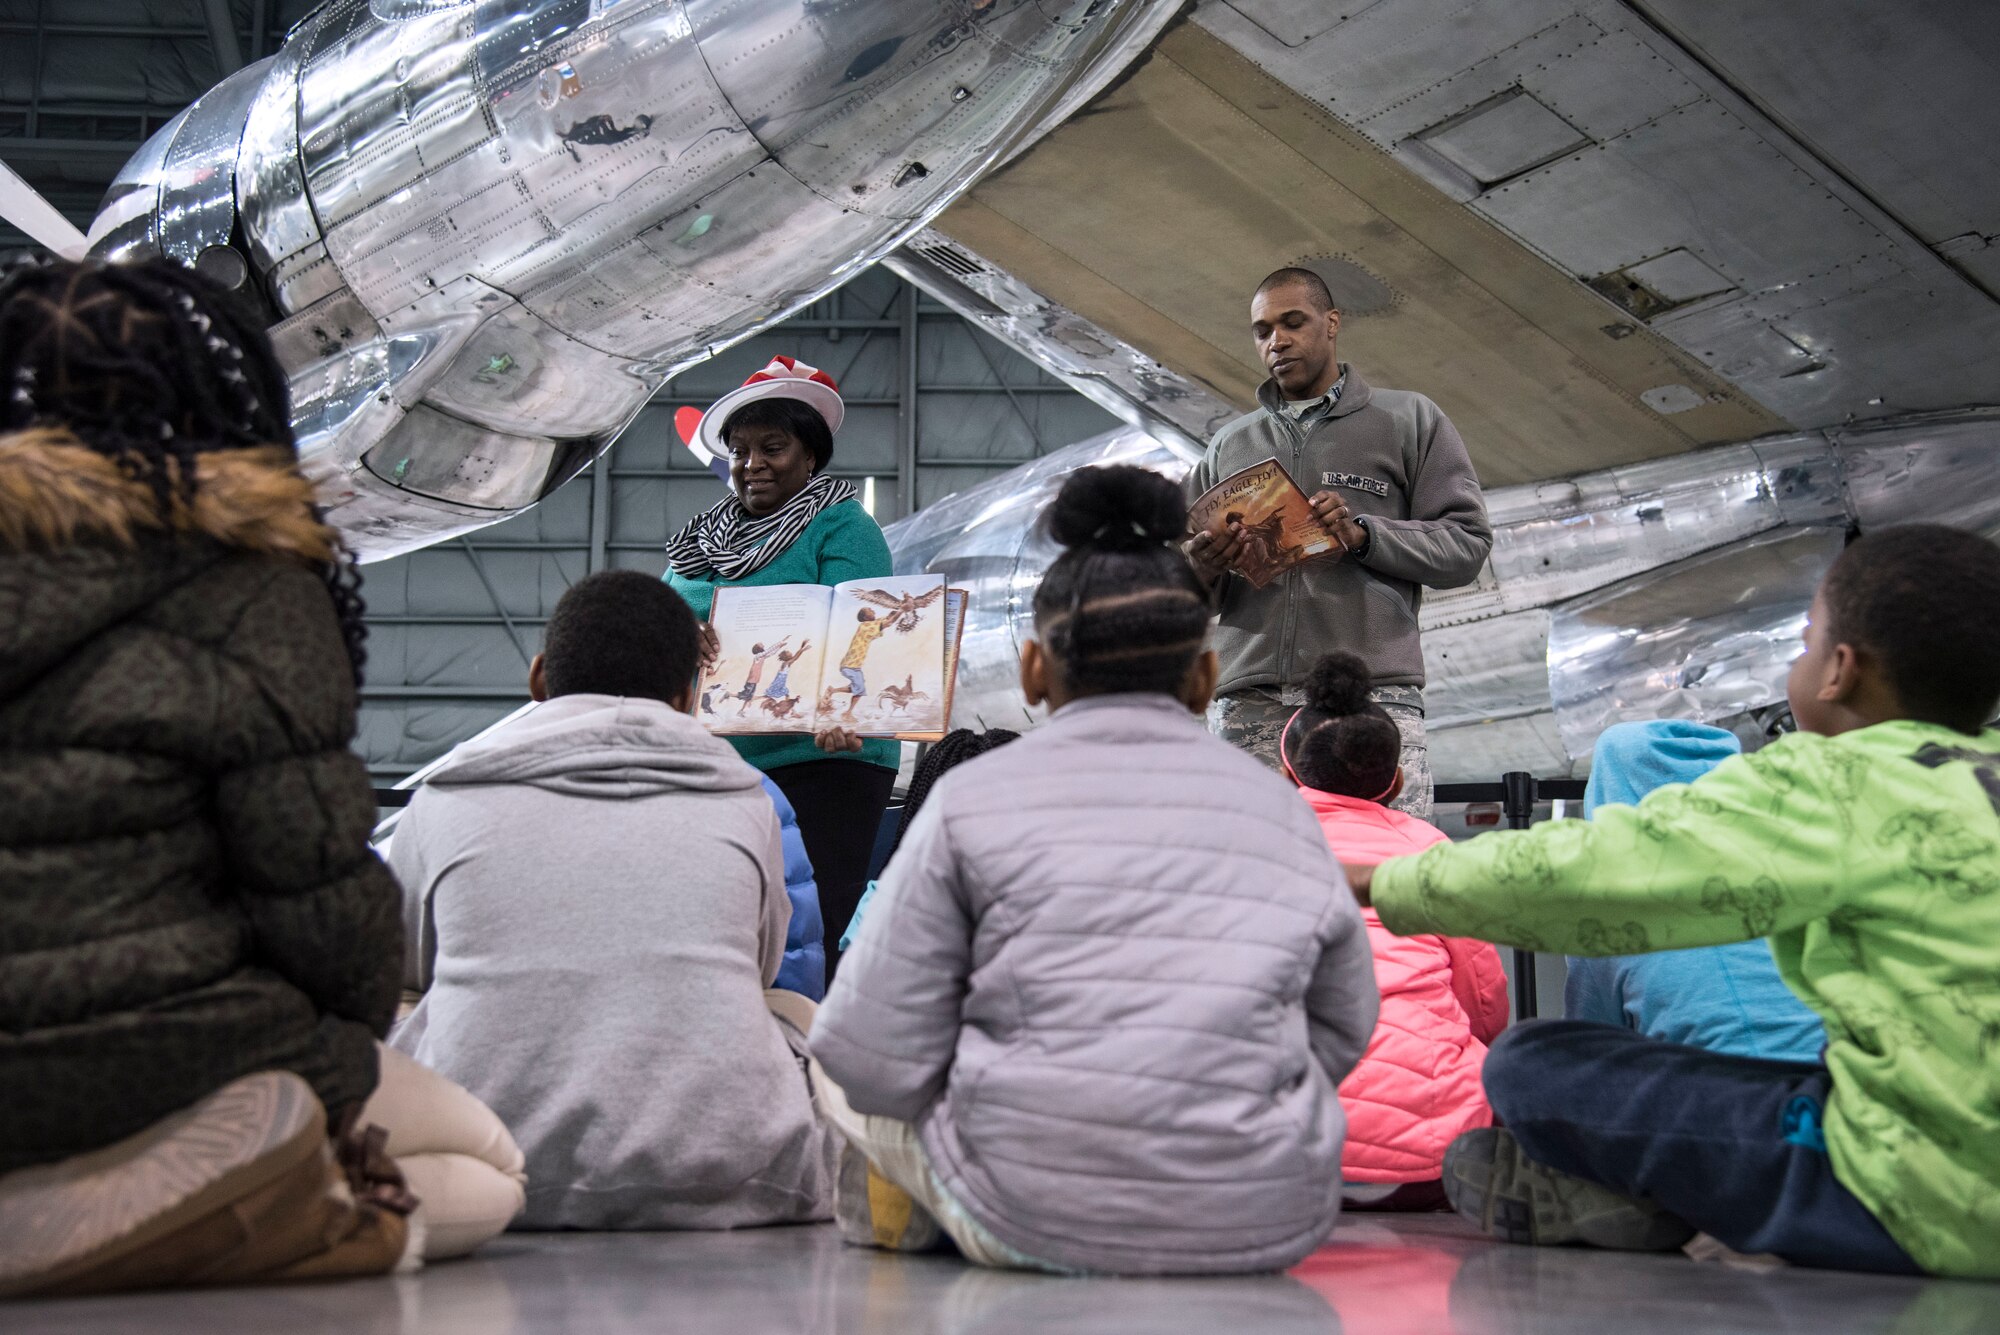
x: 1676, y: 588
x: 487, y: 232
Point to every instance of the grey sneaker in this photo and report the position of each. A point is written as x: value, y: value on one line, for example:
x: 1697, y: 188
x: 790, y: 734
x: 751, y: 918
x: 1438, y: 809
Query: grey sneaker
x: 1490, y: 1181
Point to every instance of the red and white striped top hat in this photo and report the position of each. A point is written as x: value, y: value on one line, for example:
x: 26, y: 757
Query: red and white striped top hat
x: 781, y: 378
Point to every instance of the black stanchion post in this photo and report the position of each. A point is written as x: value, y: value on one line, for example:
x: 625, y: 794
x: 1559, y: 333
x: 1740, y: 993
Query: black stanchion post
x: 1518, y: 805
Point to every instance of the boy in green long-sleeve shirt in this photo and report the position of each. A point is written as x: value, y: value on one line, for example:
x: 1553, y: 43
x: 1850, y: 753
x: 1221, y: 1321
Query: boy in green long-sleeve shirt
x: 1867, y: 848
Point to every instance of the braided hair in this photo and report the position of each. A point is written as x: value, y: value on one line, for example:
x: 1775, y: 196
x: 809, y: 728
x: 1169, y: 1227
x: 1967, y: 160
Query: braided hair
x: 953, y: 749
x: 1342, y: 741
x: 1121, y: 609
x: 152, y: 366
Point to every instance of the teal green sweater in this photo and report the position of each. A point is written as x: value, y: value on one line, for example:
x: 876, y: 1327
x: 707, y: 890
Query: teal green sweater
x: 843, y: 543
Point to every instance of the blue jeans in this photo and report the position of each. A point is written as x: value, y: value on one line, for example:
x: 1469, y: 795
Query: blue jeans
x: 1730, y: 1144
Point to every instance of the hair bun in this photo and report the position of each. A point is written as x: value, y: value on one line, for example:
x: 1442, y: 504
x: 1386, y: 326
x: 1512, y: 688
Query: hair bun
x: 1338, y: 685
x: 1117, y: 508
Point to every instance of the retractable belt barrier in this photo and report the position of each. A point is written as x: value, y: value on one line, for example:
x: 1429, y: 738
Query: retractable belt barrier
x: 1517, y: 793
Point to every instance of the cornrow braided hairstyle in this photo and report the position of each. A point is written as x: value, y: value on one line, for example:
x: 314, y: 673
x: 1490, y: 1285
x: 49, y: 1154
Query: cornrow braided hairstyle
x: 1342, y: 741
x: 152, y: 366
x: 1121, y: 609
x: 948, y: 752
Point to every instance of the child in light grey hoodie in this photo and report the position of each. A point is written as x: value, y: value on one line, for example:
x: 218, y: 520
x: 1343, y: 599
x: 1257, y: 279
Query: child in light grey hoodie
x: 596, y: 905
x: 1111, y: 980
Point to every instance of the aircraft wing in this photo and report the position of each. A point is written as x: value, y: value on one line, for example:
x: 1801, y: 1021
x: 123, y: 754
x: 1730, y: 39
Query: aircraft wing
x: 1595, y: 233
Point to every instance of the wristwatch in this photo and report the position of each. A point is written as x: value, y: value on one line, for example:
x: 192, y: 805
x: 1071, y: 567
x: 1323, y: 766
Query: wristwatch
x: 1361, y: 522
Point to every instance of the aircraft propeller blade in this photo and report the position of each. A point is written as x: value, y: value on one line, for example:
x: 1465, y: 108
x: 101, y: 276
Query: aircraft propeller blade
x: 23, y: 206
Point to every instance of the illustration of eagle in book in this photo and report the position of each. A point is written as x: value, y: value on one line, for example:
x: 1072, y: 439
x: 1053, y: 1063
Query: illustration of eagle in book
x: 902, y: 608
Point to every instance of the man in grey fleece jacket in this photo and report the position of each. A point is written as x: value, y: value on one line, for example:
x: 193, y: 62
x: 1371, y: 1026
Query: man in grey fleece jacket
x: 1389, y: 476
x: 595, y: 901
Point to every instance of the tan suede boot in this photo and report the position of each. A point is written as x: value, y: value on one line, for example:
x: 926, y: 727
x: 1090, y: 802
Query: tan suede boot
x: 242, y: 1185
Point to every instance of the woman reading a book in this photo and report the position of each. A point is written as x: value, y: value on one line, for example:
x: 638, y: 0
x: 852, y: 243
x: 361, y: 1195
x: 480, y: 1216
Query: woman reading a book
x: 789, y: 522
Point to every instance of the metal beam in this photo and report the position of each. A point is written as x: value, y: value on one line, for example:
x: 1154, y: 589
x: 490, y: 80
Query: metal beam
x: 979, y: 344
x: 681, y: 396
x: 906, y: 406
x: 600, y: 507
x: 465, y: 693
x: 1002, y: 388
x: 24, y: 28
x: 222, y: 36
x: 443, y: 619
x: 35, y: 88
x: 104, y: 155
x: 506, y: 618
x: 82, y: 106
x: 696, y: 475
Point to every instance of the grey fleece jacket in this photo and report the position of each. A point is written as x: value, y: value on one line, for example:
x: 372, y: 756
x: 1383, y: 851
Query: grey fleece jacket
x: 595, y: 901
x: 1114, y: 976
x: 1398, y: 462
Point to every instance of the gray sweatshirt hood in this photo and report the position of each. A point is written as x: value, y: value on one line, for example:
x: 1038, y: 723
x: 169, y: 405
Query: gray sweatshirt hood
x: 600, y: 746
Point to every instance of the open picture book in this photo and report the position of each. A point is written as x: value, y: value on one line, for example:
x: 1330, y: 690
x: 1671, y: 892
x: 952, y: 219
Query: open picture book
x: 1279, y: 527
x: 879, y: 656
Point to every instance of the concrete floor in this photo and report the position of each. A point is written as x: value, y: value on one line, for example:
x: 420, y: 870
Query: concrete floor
x: 1409, y: 1276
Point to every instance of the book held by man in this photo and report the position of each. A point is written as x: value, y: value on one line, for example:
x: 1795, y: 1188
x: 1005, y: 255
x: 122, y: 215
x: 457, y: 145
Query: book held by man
x: 1274, y: 516
x: 877, y: 656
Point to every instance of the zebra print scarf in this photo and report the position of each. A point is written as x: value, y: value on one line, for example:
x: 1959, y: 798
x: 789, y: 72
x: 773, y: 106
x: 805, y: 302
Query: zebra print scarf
x: 726, y: 542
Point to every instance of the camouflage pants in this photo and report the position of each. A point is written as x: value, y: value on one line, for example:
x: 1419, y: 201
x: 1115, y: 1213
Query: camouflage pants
x: 1253, y: 719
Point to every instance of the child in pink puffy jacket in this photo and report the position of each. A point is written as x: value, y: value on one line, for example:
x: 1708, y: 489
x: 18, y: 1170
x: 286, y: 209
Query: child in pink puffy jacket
x: 1443, y: 1000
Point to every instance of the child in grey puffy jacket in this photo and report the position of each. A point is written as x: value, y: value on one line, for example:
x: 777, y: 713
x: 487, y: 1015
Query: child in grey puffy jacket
x: 1114, y: 978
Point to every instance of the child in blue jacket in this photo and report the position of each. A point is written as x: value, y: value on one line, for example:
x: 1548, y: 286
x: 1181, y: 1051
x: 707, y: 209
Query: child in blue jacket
x: 1722, y: 998
x: 804, y: 969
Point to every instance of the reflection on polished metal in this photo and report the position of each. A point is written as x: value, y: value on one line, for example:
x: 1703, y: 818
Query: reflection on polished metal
x: 989, y: 540
x: 1675, y: 588
x: 1663, y: 645
x: 489, y: 231
x: 1094, y: 362
x: 1379, y: 1274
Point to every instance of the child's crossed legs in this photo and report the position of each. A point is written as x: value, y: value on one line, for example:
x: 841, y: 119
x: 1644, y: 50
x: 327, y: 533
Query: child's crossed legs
x: 888, y: 1194
x: 1731, y: 1145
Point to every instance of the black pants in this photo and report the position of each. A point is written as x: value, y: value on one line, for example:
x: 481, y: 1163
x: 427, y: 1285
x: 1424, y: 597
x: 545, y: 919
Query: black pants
x: 839, y: 805
x: 1730, y: 1144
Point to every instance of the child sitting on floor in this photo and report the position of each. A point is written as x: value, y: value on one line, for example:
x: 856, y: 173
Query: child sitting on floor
x: 1868, y: 849
x: 1443, y: 1000
x: 1723, y: 998
x: 198, y: 949
x: 1112, y: 977
x: 596, y: 903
